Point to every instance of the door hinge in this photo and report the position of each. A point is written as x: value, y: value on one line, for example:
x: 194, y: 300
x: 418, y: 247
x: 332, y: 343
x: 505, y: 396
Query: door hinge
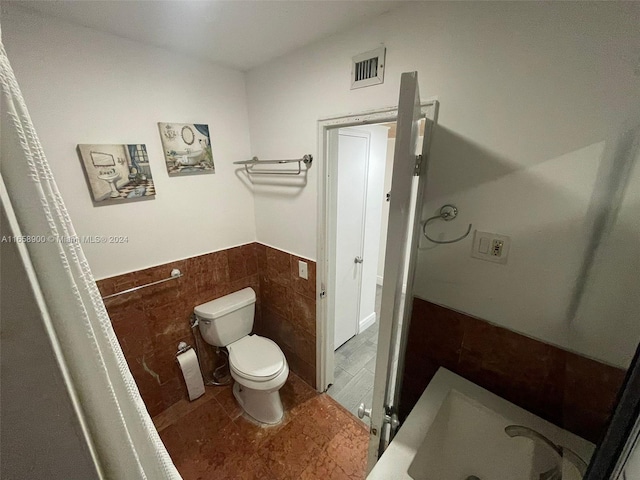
x: 416, y: 169
x: 391, y: 417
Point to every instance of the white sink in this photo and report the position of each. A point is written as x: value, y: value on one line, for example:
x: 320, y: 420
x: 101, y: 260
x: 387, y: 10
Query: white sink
x: 466, y: 438
x: 456, y: 431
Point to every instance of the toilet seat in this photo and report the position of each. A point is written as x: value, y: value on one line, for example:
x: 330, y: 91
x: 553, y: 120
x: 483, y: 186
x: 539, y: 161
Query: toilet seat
x: 256, y: 358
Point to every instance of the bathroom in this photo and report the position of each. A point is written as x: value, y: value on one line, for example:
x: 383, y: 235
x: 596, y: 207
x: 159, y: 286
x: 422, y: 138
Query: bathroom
x: 533, y: 101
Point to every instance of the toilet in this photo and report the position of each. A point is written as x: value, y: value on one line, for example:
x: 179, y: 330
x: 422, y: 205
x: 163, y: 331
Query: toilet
x: 257, y: 364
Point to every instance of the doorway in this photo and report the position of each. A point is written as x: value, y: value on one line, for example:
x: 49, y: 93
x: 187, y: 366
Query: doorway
x: 360, y: 155
x: 407, y: 164
x: 363, y: 160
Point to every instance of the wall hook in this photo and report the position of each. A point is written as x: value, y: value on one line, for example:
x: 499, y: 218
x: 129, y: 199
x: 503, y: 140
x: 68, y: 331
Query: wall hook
x: 447, y: 213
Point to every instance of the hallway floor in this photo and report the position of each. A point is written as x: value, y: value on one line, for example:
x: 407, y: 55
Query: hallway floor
x: 355, y: 364
x: 210, y: 438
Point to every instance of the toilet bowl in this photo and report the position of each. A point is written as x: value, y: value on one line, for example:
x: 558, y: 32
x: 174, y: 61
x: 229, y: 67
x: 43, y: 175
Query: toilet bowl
x: 257, y: 364
x: 259, y: 368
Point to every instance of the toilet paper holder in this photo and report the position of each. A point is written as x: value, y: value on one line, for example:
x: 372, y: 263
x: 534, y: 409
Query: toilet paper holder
x: 190, y: 367
x: 183, y: 347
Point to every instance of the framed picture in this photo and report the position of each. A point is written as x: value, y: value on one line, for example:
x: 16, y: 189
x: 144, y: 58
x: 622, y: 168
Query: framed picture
x: 187, y: 148
x: 117, y: 172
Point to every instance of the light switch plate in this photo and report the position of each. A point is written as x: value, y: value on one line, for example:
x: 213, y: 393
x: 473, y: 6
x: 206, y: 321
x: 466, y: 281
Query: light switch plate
x: 302, y: 270
x: 490, y: 247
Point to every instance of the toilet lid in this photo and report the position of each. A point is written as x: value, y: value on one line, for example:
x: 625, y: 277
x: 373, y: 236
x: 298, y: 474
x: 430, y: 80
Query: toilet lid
x: 256, y: 356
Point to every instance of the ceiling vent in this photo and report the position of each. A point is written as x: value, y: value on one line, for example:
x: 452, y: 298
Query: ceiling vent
x: 368, y: 68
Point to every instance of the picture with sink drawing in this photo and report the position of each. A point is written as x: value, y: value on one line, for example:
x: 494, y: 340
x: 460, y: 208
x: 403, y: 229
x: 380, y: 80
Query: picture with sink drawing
x: 187, y: 148
x: 117, y: 172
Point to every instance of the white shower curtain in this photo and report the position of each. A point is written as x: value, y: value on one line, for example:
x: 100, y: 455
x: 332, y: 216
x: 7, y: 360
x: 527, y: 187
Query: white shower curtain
x: 121, y: 433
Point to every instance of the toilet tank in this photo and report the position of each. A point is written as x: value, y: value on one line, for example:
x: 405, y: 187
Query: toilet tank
x: 226, y: 319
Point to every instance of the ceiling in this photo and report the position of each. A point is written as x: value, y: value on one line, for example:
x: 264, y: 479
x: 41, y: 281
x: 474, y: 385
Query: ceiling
x: 240, y: 34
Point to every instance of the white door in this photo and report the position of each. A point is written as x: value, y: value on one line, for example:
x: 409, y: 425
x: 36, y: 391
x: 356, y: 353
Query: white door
x: 402, y: 237
x: 353, y: 159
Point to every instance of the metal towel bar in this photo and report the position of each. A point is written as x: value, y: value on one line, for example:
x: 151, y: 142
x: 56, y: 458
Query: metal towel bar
x: 249, y: 164
x: 175, y: 273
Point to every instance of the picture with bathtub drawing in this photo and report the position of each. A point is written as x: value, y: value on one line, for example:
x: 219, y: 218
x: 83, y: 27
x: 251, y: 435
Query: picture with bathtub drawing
x: 117, y: 172
x: 187, y: 148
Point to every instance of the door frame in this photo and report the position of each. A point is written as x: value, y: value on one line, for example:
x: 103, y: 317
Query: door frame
x: 326, y: 185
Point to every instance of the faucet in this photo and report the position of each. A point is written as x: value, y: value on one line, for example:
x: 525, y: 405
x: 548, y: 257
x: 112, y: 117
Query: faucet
x: 561, y: 452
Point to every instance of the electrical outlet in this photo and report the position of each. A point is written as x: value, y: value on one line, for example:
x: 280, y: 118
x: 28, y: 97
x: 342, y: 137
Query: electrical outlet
x: 491, y: 247
x: 302, y: 270
x: 496, y: 247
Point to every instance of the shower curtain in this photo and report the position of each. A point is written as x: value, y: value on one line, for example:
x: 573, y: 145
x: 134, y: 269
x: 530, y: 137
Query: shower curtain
x: 120, y: 432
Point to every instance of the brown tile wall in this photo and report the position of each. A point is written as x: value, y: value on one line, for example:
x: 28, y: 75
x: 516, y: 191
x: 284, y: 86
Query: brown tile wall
x: 565, y: 388
x: 289, y: 309
x: 151, y: 322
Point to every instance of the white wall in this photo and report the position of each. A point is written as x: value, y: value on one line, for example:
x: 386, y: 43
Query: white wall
x: 531, y: 95
x: 82, y: 86
x: 608, y: 309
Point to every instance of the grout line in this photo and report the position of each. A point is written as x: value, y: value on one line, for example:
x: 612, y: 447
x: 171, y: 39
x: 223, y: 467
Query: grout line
x: 286, y: 251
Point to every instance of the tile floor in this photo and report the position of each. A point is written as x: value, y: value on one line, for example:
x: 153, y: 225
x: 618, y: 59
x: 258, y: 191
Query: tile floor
x: 355, y: 363
x: 210, y: 438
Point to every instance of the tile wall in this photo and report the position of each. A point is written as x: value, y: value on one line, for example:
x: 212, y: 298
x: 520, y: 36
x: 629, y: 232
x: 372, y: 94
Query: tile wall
x: 567, y: 389
x: 289, y: 308
x: 151, y: 322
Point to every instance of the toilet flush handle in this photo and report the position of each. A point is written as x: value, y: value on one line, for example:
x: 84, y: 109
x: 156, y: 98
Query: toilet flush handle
x: 358, y: 260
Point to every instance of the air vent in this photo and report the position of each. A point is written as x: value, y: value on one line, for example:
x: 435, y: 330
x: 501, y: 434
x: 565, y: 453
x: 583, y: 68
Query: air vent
x: 368, y: 68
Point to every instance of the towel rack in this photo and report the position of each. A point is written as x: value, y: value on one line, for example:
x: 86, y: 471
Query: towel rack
x: 249, y: 164
x: 447, y: 213
x: 175, y: 273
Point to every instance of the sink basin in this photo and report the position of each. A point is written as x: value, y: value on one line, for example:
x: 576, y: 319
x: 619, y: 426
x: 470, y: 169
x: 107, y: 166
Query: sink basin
x: 456, y: 431
x: 466, y: 438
